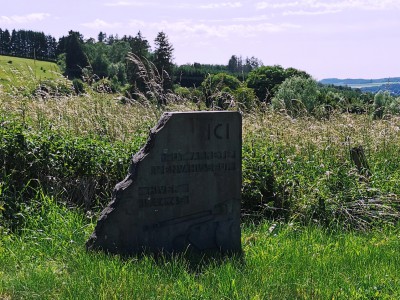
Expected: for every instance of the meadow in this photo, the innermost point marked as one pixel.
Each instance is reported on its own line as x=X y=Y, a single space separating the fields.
x=314 y=226
x=21 y=73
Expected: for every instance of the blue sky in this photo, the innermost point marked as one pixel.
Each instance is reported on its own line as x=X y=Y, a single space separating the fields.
x=328 y=38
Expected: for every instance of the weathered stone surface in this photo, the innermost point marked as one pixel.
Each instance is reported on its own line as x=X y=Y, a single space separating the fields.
x=182 y=191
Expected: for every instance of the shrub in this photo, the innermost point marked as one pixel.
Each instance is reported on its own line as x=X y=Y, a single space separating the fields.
x=266 y=80
x=297 y=95
x=245 y=98
x=77 y=169
x=79 y=86
x=385 y=103
x=54 y=88
x=217 y=89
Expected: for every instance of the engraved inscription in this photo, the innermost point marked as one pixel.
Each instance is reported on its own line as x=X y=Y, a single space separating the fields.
x=165 y=201
x=162 y=190
x=218 y=131
x=197 y=155
x=193 y=168
x=195 y=162
x=165 y=195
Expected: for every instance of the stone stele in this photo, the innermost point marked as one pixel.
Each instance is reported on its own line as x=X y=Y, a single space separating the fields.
x=182 y=191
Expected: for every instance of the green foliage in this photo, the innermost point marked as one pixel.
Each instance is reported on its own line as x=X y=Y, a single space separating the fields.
x=385 y=103
x=214 y=82
x=345 y=99
x=54 y=88
x=266 y=80
x=237 y=65
x=259 y=186
x=297 y=96
x=75 y=58
x=245 y=98
x=119 y=52
x=83 y=170
x=218 y=89
x=192 y=75
x=79 y=86
x=288 y=171
x=152 y=84
x=28 y=44
x=163 y=59
x=118 y=71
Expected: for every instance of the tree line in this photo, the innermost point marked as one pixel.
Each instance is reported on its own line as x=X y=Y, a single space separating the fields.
x=106 y=57
x=28 y=44
x=128 y=65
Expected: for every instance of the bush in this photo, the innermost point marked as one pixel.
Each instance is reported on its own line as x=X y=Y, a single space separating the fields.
x=245 y=98
x=266 y=80
x=258 y=187
x=217 y=89
x=77 y=169
x=385 y=103
x=54 y=88
x=297 y=96
x=79 y=86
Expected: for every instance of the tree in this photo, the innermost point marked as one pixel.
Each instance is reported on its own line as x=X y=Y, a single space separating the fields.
x=97 y=54
x=163 y=56
x=75 y=58
x=266 y=80
x=119 y=51
x=102 y=37
x=140 y=47
x=5 y=43
x=251 y=64
x=235 y=64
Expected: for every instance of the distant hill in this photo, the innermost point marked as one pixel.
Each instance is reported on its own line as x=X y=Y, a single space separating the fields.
x=368 y=85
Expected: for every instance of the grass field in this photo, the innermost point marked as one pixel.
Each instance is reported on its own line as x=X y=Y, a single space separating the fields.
x=24 y=74
x=281 y=261
x=38 y=69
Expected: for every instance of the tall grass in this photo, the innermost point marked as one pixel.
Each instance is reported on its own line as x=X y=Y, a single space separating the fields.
x=313 y=177
x=292 y=168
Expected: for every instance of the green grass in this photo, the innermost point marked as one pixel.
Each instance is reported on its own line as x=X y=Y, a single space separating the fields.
x=47 y=260
x=22 y=76
x=38 y=69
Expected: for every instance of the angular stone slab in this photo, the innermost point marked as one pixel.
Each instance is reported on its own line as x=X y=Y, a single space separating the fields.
x=182 y=191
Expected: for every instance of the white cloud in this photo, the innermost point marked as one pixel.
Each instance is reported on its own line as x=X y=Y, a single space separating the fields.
x=272 y=4
x=101 y=24
x=34 y=17
x=331 y=6
x=221 y=5
x=190 y=28
x=128 y=3
x=309 y=13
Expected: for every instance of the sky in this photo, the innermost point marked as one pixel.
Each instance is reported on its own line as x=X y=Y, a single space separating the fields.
x=327 y=38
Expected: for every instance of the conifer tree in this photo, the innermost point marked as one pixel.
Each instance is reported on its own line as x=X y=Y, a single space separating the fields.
x=163 y=59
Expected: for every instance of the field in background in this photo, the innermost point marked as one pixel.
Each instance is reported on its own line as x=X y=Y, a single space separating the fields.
x=372 y=85
x=39 y=69
x=16 y=72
